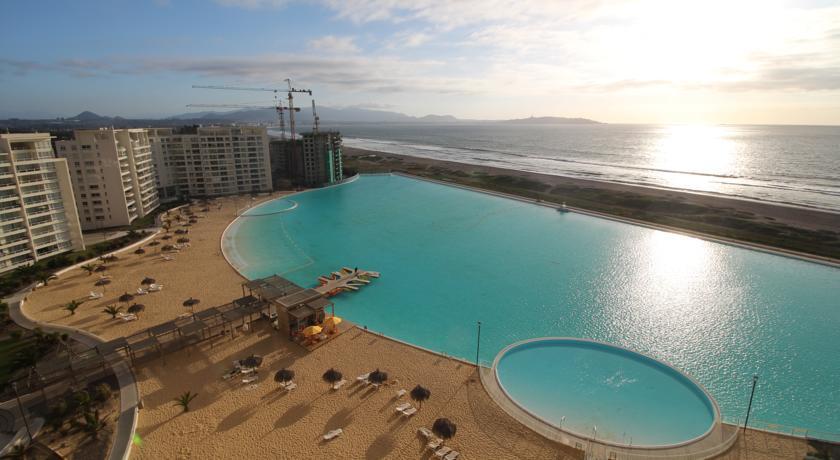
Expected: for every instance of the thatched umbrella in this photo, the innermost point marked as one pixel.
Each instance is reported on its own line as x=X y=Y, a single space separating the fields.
x=284 y=376
x=420 y=394
x=147 y=281
x=154 y=243
x=444 y=428
x=167 y=247
x=180 y=231
x=331 y=376
x=183 y=240
x=166 y=237
x=126 y=298
x=136 y=308
x=377 y=377
x=140 y=251
x=252 y=361
x=191 y=302
x=102 y=282
x=100 y=268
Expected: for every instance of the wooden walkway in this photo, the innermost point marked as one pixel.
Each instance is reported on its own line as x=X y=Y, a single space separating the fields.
x=344 y=280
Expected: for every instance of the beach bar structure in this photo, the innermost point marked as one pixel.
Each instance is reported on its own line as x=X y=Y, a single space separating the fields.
x=291 y=306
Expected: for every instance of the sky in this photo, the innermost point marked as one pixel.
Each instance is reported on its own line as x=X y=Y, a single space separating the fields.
x=622 y=61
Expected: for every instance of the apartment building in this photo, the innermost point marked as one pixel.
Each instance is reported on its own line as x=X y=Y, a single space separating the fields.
x=211 y=161
x=38 y=216
x=113 y=175
x=314 y=161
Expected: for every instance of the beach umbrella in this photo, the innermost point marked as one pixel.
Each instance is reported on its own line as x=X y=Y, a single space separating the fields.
x=444 y=428
x=377 y=377
x=191 y=302
x=102 y=282
x=332 y=322
x=148 y=280
x=154 y=243
x=331 y=376
x=252 y=361
x=126 y=298
x=136 y=308
x=183 y=240
x=100 y=268
x=312 y=330
x=420 y=394
x=166 y=237
x=167 y=247
x=284 y=375
x=140 y=251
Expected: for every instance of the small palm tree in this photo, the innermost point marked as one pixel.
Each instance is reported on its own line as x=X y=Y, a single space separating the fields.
x=93 y=424
x=72 y=306
x=45 y=277
x=185 y=399
x=89 y=268
x=112 y=310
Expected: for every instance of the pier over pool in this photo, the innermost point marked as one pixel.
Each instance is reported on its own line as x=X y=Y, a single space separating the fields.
x=450 y=257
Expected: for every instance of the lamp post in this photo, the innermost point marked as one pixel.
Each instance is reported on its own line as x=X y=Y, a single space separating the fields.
x=749 y=406
x=477 y=344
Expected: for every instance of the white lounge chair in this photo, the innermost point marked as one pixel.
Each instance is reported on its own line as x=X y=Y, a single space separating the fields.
x=427 y=433
x=168 y=258
x=290 y=386
x=339 y=384
x=95 y=295
x=363 y=377
x=333 y=434
x=251 y=378
x=127 y=316
x=434 y=443
x=402 y=407
x=442 y=452
x=155 y=287
x=452 y=455
x=401 y=393
x=141 y=291
x=410 y=411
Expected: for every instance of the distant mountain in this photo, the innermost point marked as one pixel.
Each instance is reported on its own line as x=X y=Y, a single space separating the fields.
x=553 y=120
x=88 y=116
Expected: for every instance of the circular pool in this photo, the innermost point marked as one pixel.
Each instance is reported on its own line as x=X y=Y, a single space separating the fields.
x=595 y=390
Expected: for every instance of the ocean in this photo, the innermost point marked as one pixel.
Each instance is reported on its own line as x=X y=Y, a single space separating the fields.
x=794 y=165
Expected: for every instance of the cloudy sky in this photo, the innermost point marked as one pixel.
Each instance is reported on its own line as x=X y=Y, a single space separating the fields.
x=633 y=61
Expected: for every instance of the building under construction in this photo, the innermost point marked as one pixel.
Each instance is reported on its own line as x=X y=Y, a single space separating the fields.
x=314 y=161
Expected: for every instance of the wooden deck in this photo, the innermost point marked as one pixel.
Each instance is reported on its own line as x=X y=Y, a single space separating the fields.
x=344 y=280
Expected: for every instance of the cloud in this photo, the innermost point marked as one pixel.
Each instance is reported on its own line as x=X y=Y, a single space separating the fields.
x=333 y=44
x=253 y=4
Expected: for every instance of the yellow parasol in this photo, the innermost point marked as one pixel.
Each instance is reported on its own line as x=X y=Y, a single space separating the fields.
x=332 y=321
x=312 y=330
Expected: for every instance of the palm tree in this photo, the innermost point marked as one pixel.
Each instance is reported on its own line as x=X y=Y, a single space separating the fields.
x=72 y=306
x=45 y=277
x=112 y=310
x=185 y=399
x=331 y=376
x=89 y=268
x=420 y=394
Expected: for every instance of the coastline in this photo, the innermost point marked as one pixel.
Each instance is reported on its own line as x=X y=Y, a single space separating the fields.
x=799 y=231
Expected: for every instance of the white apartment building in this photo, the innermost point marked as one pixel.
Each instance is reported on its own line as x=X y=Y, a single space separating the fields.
x=113 y=175
x=211 y=161
x=38 y=216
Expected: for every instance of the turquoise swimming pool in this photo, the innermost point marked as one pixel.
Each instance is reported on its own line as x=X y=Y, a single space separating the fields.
x=608 y=393
x=450 y=257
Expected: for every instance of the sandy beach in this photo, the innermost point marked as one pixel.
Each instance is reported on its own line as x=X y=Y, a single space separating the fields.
x=230 y=419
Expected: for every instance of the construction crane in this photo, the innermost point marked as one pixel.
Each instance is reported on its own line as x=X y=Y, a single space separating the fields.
x=290 y=96
x=315 y=117
x=278 y=103
x=279 y=108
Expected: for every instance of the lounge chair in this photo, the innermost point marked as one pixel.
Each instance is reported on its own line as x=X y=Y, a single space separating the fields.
x=452 y=455
x=168 y=258
x=427 y=433
x=155 y=287
x=141 y=291
x=442 y=452
x=339 y=384
x=363 y=377
x=251 y=378
x=246 y=370
x=127 y=316
x=402 y=407
x=333 y=434
x=290 y=386
x=401 y=393
x=95 y=295
x=410 y=411
x=434 y=443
